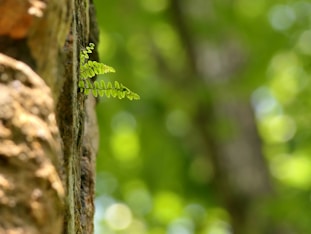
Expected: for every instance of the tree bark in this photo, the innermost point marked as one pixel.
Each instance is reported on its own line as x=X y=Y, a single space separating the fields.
x=48 y=131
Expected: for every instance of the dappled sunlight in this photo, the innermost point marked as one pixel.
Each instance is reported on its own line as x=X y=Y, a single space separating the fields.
x=118 y=216
x=250 y=9
x=282 y=17
x=125 y=145
x=277 y=129
x=293 y=170
x=219 y=228
x=167 y=206
x=107 y=183
x=217 y=222
x=166 y=40
x=287 y=77
x=195 y=212
x=264 y=103
x=138 y=197
x=124 y=141
x=114 y=217
x=303 y=43
x=166 y=163
x=123 y=120
x=154 y=6
x=107 y=45
x=140 y=200
x=136 y=227
x=181 y=226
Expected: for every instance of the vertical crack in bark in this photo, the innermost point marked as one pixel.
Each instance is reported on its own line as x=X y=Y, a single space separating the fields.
x=78 y=125
x=29 y=140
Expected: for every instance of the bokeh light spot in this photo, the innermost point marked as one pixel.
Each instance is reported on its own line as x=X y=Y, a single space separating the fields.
x=304 y=44
x=139 y=200
x=282 y=17
x=287 y=76
x=101 y=203
x=136 y=227
x=124 y=141
x=123 y=120
x=118 y=216
x=219 y=227
x=293 y=170
x=125 y=145
x=154 y=5
x=181 y=226
x=106 y=183
x=264 y=102
x=107 y=45
x=278 y=129
x=168 y=43
x=250 y=9
x=167 y=206
x=196 y=212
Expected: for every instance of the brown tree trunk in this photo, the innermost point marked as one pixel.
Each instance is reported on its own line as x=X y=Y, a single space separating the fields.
x=48 y=138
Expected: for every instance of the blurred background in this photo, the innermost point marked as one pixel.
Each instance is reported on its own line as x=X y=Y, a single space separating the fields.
x=220 y=141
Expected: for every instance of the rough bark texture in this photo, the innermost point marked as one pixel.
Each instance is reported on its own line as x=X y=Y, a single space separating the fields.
x=48 y=139
x=31 y=193
x=78 y=128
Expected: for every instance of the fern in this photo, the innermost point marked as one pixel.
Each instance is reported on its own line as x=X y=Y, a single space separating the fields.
x=92 y=68
x=84 y=53
x=88 y=69
x=100 y=88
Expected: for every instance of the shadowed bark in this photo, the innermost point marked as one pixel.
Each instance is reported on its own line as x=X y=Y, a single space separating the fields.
x=48 y=139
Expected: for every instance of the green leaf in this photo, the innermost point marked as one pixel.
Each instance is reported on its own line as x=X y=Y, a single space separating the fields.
x=89 y=69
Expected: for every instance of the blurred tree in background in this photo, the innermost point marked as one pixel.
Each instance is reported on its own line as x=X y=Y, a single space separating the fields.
x=219 y=142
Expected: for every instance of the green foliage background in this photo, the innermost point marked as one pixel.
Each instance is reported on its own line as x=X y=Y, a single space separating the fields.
x=151 y=174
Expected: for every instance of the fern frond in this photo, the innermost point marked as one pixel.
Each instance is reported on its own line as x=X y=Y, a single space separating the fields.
x=89 y=69
x=100 y=88
x=92 y=68
x=84 y=53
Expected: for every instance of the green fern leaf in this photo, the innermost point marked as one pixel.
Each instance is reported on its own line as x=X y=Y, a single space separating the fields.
x=84 y=53
x=87 y=91
x=109 y=90
x=89 y=69
x=92 y=68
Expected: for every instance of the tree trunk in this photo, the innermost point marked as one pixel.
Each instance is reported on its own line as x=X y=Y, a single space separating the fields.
x=48 y=131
